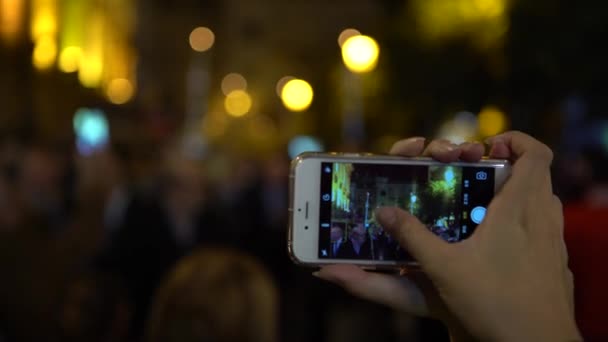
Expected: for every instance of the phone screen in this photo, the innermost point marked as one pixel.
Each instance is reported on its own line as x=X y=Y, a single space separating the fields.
x=450 y=200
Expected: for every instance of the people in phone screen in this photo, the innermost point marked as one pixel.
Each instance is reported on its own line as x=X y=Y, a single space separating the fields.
x=357 y=246
x=337 y=239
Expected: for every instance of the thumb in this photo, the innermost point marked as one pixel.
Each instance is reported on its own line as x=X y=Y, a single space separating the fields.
x=412 y=235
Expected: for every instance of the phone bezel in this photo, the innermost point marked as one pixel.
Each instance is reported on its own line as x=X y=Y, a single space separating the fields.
x=304 y=190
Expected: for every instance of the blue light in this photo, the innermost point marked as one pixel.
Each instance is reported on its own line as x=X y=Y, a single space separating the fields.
x=449 y=175
x=304 y=143
x=92 y=130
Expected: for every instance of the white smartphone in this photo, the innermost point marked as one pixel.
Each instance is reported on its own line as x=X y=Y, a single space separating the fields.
x=333 y=197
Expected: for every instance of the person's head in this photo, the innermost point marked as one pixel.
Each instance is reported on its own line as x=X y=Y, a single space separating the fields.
x=358 y=233
x=215 y=295
x=336 y=233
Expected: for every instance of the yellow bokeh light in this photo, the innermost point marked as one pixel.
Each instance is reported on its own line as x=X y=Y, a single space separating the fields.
x=297 y=95
x=233 y=81
x=120 y=91
x=90 y=72
x=490 y=8
x=44 y=18
x=92 y=66
x=44 y=24
x=360 y=53
x=69 y=59
x=44 y=53
x=237 y=103
x=201 y=39
x=483 y=21
x=347 y=33
x=491 y=121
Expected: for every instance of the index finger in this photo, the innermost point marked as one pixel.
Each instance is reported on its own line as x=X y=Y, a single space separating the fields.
x=521 y=144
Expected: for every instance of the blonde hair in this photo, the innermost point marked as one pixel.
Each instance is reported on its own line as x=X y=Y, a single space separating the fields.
x=215 y=295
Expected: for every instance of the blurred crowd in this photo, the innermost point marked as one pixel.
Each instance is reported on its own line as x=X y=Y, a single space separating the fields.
x=89 y=248
x=87 y=243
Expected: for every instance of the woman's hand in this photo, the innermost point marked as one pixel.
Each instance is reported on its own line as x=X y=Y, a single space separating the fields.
x=509 y=280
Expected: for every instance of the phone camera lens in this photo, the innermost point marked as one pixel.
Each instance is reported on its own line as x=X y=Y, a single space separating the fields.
x=305 y=227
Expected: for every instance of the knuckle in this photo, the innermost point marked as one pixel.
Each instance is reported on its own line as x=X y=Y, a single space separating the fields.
x=539 y=149
x=540 y=154
x=557 y=203
x=546 y=153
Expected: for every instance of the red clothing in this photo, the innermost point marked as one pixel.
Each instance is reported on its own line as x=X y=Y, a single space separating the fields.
x=586 y=235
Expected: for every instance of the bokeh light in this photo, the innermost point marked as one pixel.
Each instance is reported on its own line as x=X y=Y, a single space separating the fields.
x=489 y=8
x=90 y=72
x=91 y=68
x=491 y=121
x=201 y=39
x=233 y=81
x=465 y=124
x=69 y=59
x=120 y=91
x=297 y=95
x=74 y=20
x=237 y=103
x=43 y=19
x=463 y=127
x=304 y=143
x=44 y=53
x=92 y=130
x=11 y=16
x=483 y=21
x=360 y=53
x=347 y=33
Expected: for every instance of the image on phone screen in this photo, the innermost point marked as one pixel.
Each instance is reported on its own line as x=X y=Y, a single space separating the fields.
x=450 y=200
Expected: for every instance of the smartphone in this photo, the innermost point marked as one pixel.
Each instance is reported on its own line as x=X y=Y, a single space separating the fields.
x=333 y=197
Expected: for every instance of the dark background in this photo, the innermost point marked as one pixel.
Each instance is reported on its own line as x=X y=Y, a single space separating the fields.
x=167 y=184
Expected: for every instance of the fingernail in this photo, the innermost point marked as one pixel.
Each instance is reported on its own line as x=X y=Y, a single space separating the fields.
x=316 y=274
x=450 y=147
x=387 y=216
x=416 y=139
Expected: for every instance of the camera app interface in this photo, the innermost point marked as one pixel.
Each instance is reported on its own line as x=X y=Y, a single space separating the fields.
x=450 y=200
